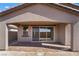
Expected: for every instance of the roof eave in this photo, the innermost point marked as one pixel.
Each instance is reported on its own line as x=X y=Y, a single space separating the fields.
x=49 y=4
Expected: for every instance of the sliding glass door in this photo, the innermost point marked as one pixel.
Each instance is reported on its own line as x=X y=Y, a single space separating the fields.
x=43 y=33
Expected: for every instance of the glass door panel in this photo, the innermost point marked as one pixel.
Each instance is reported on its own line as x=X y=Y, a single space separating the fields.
x=50 y=33
x=35 y=34
x=42 y=31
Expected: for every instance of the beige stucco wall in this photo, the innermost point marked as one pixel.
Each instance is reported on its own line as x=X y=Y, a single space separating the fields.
x=63 y=34
x=75 y=41
x=68 y=33
x=3 y=36
x=38 y=13
x=29 y=38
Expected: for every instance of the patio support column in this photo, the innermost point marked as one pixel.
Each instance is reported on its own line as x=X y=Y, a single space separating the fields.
x=68 y=34
x=3 y=36
x=75 y=37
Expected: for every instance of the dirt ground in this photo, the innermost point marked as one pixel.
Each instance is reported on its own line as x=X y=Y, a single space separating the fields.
x=37 y=51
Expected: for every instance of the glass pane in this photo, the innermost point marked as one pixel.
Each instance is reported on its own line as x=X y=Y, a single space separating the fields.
x=42 y=34
x=42 y=31
x=49 y=32
x=35 y=33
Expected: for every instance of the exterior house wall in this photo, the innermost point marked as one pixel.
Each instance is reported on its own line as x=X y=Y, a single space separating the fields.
x=61 y=33
x=20 y=34
x=39 y=13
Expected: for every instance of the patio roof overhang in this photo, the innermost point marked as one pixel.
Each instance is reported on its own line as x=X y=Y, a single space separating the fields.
x=36 y=23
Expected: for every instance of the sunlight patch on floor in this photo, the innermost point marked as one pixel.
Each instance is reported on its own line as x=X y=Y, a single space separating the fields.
x=55 y=45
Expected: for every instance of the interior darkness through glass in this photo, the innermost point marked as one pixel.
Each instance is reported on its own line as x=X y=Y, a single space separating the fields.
x=42 y=33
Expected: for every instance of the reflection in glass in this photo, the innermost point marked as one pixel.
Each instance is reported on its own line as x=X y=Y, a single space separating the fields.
x=35 y=33
x=43 y=33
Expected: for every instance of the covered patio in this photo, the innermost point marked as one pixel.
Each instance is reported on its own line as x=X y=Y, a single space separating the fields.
x=56 y=38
